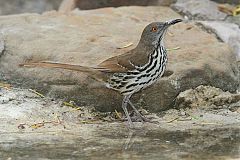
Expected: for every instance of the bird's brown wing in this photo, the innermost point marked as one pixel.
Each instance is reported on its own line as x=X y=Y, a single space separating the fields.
x=125 y=62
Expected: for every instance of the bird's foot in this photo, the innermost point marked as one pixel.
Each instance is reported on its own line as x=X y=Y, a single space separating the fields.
x=136 y=117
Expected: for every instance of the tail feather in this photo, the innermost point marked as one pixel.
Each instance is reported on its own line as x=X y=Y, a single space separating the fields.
x=96 y=73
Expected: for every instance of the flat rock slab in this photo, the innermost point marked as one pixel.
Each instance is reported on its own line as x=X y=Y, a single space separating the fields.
x=90 y=37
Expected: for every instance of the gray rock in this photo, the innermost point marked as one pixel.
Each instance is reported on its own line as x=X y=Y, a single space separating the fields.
x=93 y=4
x=90 y=37
x=4 y=100
x=234 y=42
x=40 y=6
x=234 y=19
x=69 y=5
x=227 y=1
x=199 y=10
x=206 y=97
x=1 y=45
x=29 y=6
x=227 y=32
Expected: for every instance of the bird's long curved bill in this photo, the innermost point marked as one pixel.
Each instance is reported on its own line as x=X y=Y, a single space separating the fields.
x=172 y=22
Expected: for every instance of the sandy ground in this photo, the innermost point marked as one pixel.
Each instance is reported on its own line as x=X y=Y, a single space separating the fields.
x=34 y=125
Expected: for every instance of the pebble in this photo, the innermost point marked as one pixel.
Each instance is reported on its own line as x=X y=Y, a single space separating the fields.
x=4 y=100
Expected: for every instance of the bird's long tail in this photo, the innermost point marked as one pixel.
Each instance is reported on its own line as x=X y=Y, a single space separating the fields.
x=96 y=73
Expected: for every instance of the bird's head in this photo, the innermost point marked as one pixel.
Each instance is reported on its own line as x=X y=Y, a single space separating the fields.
x=153 y=33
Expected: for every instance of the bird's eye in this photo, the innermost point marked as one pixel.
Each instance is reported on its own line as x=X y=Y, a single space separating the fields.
x=154 y=29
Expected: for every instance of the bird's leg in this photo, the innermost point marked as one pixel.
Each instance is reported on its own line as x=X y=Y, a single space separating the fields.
x=124 y=107
x=139 y=115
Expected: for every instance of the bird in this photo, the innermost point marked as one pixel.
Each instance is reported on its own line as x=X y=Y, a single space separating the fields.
x=129 y=72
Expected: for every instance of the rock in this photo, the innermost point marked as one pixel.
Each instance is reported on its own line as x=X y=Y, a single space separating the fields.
x=85 y=4
x=234 y=42
x=4 y=100
x=227 y=32
x=234 y=19
x=29 y=6
x=90 y=37
x=1 y=45
x=69 y=5
x=199 y=10
x=227 y=1
x=206 y=97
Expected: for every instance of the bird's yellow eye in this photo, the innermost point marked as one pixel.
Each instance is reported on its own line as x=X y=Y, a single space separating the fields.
x=154 y=29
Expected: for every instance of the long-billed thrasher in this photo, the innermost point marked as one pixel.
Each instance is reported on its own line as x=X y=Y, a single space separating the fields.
x=132 y=71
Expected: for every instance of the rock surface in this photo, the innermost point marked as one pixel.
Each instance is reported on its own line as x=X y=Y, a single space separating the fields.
x=1 y=45
x=234 y=19
x=227 y=1
x=227 y=32
x=93 y=4
x=207 y=97
x=199 y=10
x=90 y=37
x=33 y=127
x=68 y=5
x=27 y=6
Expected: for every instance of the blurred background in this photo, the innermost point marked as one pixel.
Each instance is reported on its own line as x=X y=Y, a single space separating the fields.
x=39 y=6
